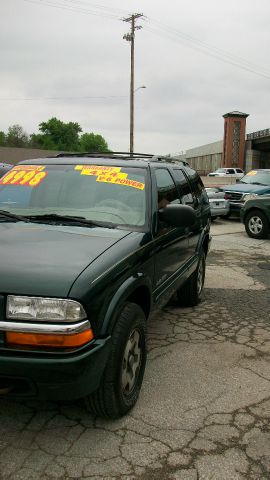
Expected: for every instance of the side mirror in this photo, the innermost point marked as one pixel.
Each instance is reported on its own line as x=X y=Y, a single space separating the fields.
x=177 y=215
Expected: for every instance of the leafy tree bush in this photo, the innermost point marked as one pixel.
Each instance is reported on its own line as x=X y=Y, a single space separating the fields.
x=2 y=139
x=16 y=137
x=90 y=142
x=55 y=135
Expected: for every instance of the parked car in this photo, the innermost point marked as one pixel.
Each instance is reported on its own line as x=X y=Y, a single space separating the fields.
x=4 y=168
x=87 y=255
x=219 y=206
x=227 y=172
x=255 y=214
x=255 y=182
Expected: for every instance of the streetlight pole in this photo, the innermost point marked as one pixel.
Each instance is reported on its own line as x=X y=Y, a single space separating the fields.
x=130 y=37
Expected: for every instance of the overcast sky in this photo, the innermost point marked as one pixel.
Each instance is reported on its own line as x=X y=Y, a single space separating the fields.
x=198 y=60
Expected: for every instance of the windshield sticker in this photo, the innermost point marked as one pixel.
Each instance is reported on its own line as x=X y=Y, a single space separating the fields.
x=119 y=179
x=109 y=175
x=37 y=168
x=252 y=172
x=27 y=177
x=96 y=169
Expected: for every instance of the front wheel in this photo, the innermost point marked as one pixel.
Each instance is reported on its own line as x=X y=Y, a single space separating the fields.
x=123 y=375
x=256 y=224
x=190 y=293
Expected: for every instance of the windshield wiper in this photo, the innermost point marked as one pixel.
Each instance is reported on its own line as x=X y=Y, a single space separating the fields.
x=13 y=216
x=258 y=183
x=70 y=220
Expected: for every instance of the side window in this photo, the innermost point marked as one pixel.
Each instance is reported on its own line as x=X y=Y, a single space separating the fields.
x=166 y=188
x=238 y=170
x=197 y=186
x=230 y=170
x=184 y=187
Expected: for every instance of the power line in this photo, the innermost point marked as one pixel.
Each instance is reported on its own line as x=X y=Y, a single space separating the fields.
x=205 y=48
x=114 y=10
x=61 y=98
x=84 y=11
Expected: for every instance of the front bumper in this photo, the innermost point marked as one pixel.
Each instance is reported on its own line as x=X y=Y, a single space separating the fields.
x=62 y=376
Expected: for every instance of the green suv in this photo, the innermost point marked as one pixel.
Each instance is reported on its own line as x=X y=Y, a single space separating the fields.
x=91 y=245
x=255 y=214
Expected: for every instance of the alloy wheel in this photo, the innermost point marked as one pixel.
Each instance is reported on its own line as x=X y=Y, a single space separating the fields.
x=255 y=225
x=131 y=362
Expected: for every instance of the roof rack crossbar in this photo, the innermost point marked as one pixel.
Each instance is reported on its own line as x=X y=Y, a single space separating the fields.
x=103 y=154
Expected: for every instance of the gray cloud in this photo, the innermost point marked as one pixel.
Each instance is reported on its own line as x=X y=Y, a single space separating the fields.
x=48 y=52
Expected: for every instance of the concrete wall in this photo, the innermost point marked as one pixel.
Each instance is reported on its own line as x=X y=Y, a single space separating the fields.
x=15 y=155
x=205 y=158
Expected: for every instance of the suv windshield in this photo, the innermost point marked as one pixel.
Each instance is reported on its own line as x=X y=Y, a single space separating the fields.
x=94 y=192
x=221 y=170
x=256 y=177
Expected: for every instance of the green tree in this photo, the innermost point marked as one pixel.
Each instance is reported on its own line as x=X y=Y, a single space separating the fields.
x=16 y=137
x=2 y=139
x=91 y=142
x=57 y=135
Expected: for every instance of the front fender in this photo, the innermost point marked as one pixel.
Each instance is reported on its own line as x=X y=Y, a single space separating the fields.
x=127 y=288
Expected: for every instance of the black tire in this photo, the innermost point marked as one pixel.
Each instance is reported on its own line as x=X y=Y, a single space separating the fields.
x=121 y=383
x=190 y=293
x=256 y=224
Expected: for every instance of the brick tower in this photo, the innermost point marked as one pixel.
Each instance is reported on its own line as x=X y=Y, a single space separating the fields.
x=234 y=139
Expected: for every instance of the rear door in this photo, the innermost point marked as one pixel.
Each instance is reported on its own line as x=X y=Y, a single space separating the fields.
x=192 y=193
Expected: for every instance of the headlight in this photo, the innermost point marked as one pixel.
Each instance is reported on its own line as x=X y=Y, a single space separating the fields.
x=249 y=196
x=50 y=309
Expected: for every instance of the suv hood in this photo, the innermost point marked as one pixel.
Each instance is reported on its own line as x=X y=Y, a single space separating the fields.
x=246 y=188
x=45 y=260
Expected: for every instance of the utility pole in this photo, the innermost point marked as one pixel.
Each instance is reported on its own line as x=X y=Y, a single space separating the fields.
x=130 y=37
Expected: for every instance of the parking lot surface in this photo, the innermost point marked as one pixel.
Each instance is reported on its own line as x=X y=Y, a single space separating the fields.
x=204 y=409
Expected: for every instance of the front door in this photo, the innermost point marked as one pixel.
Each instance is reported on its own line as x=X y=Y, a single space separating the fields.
x=170 y=243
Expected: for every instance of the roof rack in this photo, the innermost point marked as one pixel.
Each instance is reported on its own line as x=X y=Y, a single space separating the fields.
x=126 y=155
x=122 y=155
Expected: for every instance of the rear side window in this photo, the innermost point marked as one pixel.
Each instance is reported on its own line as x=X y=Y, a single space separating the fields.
x=195 y=180
x=187 y=197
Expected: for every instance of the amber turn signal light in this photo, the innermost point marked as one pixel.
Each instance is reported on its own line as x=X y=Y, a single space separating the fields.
x=49 y=340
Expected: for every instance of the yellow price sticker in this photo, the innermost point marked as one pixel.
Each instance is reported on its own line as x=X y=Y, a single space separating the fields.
x=37 y=168
x=29 y=178
x=96 y=169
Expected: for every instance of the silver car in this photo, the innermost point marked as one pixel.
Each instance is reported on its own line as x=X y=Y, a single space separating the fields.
x=219 y=206
x=227 y=172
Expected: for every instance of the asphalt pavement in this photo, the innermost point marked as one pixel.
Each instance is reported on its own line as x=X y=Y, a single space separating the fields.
x=204 y=409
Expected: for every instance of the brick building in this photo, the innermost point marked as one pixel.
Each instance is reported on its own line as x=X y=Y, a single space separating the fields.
x=235 y=150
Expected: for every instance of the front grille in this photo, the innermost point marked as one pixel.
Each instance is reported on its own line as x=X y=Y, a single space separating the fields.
x=233 y=196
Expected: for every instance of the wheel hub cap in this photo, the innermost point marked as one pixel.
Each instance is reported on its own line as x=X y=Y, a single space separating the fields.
x=255 y=225
x=131 y=362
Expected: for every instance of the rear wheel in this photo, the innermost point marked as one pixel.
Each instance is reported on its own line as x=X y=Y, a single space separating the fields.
x=122 y=379
x=256 y=224
x=190 y=294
